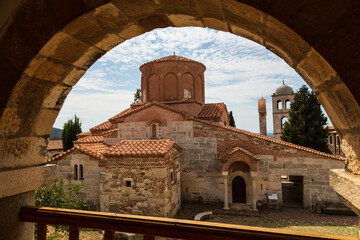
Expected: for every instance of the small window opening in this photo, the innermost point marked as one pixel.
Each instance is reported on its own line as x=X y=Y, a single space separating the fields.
x=287 y=104
x=172 y=176
x=156 y=130
x=75 y=171
x=187 y=93
x=128 y=183
x=81 y=172
x=331 y=140
x=283 y=121
x=279 y=104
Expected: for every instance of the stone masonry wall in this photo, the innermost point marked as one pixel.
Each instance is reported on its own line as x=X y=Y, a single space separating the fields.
x=315 y=172
x=92 y=176
x=199 y=162
x=151 y=191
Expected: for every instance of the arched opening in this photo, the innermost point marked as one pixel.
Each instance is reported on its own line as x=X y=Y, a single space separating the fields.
x=279 y=104
x=156 y=129
x=72 y=50
x=76 y=172
x=238 y=190
x=283 y=121
x=287 y=104
x=81 y=172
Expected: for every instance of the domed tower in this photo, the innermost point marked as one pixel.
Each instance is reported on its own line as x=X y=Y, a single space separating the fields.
x=281 y=99
x=174 y=80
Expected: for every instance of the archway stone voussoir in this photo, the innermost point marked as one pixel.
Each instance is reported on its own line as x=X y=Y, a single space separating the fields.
x=314 y=69
x=136 y=9
x=210 y=9
x=151 y=22
x=44 y=121
x=180 y=20
x=130 y=32
x=110 y=18
x=55 y=98
x=73 y=76
x=284 y=42
x=215 y=24
x=71 y=51
x=22 y=152
x=46 y=69
x=10 y=122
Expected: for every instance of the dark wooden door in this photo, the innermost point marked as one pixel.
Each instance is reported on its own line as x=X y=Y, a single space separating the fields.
x=238 y=190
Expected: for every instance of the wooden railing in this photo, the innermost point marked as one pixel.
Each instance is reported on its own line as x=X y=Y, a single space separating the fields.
x=153 y=226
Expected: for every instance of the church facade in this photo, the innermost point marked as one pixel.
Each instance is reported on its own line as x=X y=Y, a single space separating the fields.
x=173 y=146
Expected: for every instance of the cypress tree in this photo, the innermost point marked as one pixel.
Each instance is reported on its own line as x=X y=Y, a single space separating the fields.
x=307 y=123
x=70 y=129
x=232 y=121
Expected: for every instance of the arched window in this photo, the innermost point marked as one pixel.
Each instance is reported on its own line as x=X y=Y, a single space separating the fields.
x=156 y=129
x=172 y=179
x=283 y=121
x=81 y=172
x=331 y=139
x=287 y=104
x=279 y=104
x=187 y=93
x=75 y=171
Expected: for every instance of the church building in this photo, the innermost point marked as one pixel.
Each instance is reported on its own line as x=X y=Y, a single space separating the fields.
x=174 y=146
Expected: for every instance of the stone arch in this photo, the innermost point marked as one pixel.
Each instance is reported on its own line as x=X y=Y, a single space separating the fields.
x=41 y=61
x=65 y=50
x=227 y=164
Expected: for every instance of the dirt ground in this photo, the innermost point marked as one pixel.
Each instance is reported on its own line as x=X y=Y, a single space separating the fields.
x=290 y=219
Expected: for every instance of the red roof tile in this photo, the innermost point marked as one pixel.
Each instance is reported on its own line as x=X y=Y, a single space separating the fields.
x=102 y=126
x=95 y=150
x=274 y=140
x=147 y=105
x=172 y=58
x=141 y=148
x=212 y=110
x=55 y=145
x=90 y=139
x=83 y=134
x=236 y=149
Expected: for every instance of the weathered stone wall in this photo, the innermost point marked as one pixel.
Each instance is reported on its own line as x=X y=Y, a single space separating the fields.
x=52 y=153
x=315 y=172
x=92 y=176
x=151 y=191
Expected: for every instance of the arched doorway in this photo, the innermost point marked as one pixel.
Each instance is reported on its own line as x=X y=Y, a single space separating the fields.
x=238 y=190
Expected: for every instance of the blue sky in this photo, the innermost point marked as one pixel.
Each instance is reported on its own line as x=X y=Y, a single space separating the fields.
x=239 y=72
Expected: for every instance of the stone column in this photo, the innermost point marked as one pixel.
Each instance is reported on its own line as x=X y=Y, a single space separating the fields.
x=253 y=176
x=226 y=197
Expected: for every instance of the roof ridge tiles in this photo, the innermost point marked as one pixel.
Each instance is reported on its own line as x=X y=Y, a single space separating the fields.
x=274 y=140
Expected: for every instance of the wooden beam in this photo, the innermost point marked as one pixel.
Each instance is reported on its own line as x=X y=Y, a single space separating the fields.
x=164 y=227
x=41 y=231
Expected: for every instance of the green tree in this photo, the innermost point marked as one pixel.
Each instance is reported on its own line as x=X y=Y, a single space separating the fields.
x=307 y=123
x=137 y=96
x=56 y=195
x=232 y=121
x=70 y=129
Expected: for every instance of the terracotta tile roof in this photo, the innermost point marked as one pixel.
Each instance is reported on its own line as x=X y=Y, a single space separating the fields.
x=83 y=134
x=274 y=140
x=212 y=110
x=141 y=148
x=95 y=150
x=236 y=149
x=172 y=58
x=90 y=139
x=55 y=145
x=102 y=126
x=147 y=105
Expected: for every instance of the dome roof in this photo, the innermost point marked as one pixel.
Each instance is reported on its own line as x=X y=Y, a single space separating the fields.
x=283 y=90
x=172 y=58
